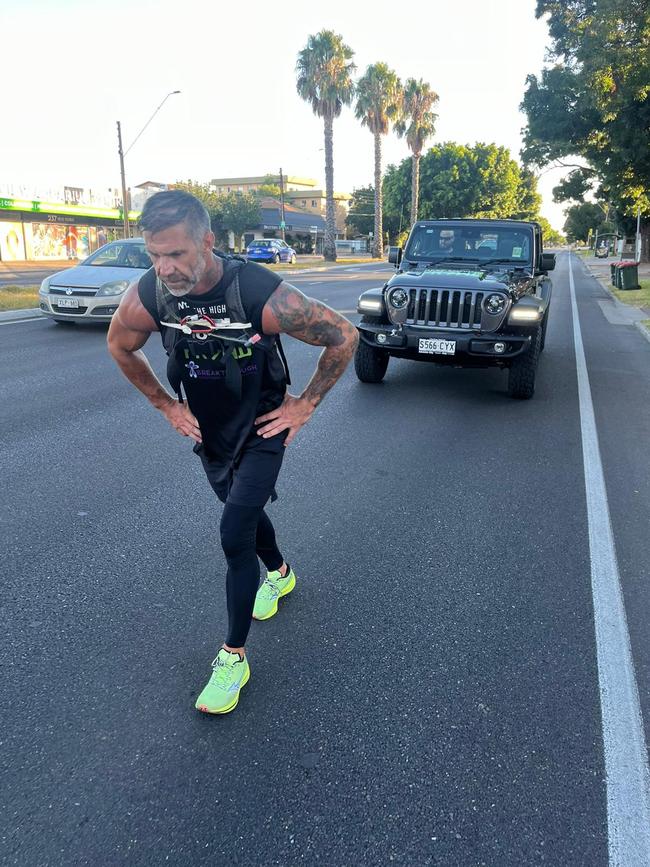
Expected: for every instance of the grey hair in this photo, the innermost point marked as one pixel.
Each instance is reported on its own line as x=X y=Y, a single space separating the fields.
x=171 y=207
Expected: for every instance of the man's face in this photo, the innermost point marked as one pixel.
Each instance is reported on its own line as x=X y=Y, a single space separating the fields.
x=446 y=239
x=177 y=258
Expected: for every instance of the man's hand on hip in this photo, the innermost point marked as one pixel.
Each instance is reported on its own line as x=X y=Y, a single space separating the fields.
x=182 y=420
x=291 y=415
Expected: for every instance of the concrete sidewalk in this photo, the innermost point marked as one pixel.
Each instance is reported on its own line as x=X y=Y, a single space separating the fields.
x=621 y=312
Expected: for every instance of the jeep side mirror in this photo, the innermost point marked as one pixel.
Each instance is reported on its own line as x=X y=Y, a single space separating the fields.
x=548 y=262
x=394 y=255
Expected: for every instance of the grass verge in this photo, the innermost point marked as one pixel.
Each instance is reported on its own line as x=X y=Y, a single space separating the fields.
x=18 y=297
x=635 y=297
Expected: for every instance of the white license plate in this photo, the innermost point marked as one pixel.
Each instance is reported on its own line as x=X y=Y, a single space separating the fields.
x=67 y=302
x=435 y=346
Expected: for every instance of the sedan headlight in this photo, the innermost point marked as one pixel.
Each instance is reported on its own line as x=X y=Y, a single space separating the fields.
x=45 y=287
x=495 y=304
x=115 y=287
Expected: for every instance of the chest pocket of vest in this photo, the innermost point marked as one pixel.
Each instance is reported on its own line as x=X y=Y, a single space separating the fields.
x=186 y=355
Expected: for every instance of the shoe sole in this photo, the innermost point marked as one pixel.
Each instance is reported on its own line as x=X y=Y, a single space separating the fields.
x=230 y=707
x=284 y=592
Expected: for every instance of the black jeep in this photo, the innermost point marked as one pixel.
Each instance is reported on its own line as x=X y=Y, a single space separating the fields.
x=470 y=293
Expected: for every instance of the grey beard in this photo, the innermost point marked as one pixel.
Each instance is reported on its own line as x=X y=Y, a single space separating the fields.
x=177 y=293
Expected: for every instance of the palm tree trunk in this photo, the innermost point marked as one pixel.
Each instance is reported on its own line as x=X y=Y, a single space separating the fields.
x=378 y=243
x=329 y=248
x=415 y=186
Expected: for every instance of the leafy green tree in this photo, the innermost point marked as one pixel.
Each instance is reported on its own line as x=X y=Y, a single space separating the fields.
x=581 y=220
x=379 y=98
x=417 y=123
x=204 y=193
x=592 y=106
x=324 y=79
x=463 y=181
x=529 y=199
x=361 y=213
x=552 y=238
x=240 y=211
x=268 y=187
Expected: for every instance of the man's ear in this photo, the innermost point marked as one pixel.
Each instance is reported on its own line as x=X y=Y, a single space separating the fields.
x=208 y=242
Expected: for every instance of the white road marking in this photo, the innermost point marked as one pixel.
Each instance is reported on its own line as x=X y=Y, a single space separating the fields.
x=626 y=755
x=20 y=321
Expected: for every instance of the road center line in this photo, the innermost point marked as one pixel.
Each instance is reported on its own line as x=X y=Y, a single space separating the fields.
x=626 y=755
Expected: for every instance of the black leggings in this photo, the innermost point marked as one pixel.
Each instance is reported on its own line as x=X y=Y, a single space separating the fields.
x=246 y=534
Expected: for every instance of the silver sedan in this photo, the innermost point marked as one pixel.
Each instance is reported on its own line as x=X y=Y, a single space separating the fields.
x=92 y=291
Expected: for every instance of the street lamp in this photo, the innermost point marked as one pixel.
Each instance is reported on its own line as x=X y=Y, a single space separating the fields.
x=122 y=154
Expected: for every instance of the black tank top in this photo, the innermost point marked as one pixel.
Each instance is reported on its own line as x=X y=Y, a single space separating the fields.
x=226 y=421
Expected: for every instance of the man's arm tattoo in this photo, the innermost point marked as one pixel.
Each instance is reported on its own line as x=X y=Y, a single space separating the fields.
x=307 y=319
x=316 y=323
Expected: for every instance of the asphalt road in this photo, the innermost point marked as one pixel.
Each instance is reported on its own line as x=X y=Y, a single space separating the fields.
x=429 y=693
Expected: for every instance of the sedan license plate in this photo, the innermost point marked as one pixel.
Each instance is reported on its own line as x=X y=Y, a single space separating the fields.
x=435 y=346
x=67 y=302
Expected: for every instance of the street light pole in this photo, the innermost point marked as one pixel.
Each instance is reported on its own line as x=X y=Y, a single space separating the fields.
x=122 y=153
x=282 y=221
x=125 y=204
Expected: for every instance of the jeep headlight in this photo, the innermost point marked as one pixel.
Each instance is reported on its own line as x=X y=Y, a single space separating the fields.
x=495 y=304
x=522 y=314
x=397 y=303
x=370 y=305
x=115 y=287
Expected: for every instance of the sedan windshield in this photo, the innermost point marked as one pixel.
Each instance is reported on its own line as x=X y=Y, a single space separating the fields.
x=487 y=244
x=120 y=255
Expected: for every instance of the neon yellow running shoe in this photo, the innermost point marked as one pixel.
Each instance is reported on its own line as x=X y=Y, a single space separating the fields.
x=229 y=673
x=273 y=588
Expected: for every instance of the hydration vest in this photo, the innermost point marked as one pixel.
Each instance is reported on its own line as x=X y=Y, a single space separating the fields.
x=223 y=347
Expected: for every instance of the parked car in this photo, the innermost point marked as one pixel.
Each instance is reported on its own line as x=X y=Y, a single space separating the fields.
x=270 y=250
x=467 y=293
x=93 y=290
x=602 y=252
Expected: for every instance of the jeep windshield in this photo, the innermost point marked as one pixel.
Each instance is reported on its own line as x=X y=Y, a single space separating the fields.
x=478 y=245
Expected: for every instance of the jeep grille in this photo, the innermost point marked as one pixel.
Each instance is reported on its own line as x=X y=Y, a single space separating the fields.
x=445 y=308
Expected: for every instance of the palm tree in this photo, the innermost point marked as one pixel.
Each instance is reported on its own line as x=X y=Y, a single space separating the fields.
x=379 y=96
x=324 y=71
x=417 y=123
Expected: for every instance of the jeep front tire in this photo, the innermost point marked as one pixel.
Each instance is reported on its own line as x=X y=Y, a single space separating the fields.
x=369 y=363
x=521 y=375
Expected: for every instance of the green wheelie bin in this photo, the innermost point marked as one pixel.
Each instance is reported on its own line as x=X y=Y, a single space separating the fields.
x=628 y=275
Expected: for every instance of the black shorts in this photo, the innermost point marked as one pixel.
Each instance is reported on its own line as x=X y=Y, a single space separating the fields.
x=249 y=479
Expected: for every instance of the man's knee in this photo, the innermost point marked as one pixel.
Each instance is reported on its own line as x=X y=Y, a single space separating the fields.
x=238 y=530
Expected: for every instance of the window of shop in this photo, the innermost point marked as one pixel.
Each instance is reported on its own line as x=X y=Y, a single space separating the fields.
x=12 y=246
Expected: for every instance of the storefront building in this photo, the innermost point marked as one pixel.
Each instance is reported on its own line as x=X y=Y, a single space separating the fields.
x=41 y=231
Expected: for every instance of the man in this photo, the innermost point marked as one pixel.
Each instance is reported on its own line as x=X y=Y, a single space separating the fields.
x=218 y=317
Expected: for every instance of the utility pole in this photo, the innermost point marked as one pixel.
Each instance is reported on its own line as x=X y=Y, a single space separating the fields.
x=282 y=221
x=637 y=240
x=125 y=204
x=122 y=152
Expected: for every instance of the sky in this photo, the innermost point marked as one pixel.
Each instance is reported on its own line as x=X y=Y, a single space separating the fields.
x=72 y=69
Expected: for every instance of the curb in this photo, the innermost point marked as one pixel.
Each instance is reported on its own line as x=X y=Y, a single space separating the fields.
x=17 y=315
